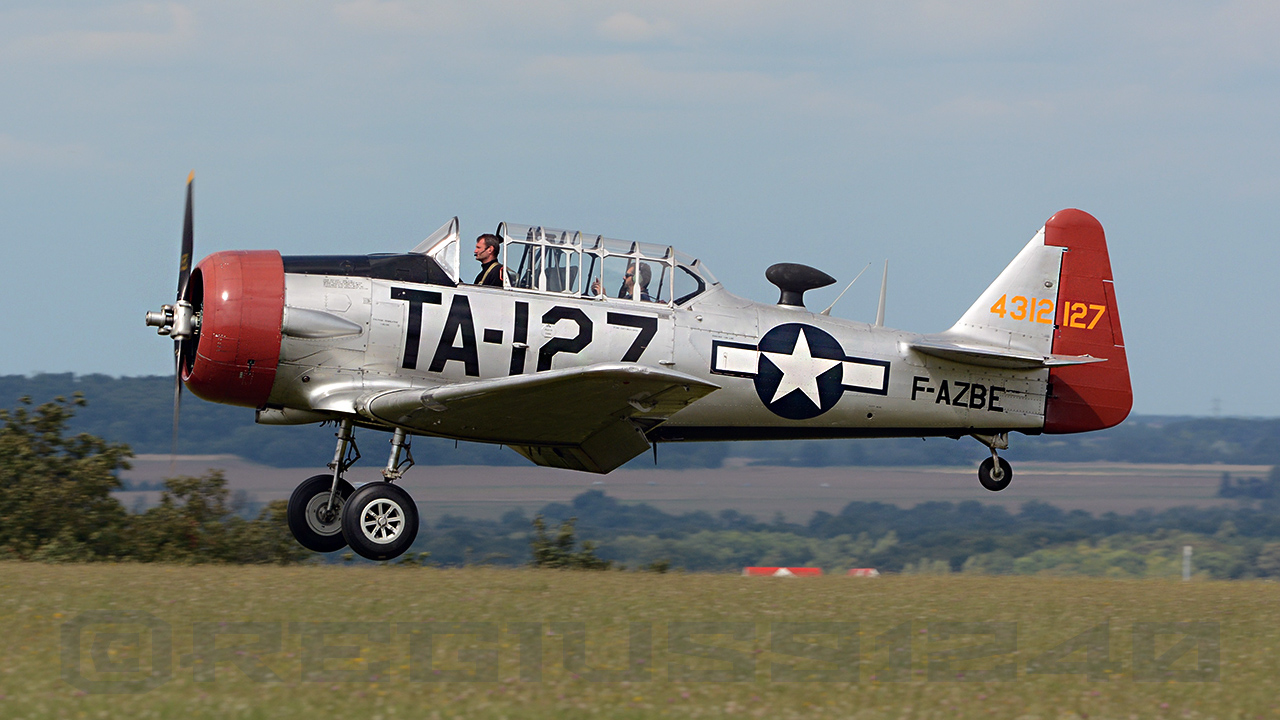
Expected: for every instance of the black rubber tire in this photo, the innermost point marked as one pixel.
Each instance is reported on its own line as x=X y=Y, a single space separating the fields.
x=371 y=537
x=310 y=532
x=990 y=483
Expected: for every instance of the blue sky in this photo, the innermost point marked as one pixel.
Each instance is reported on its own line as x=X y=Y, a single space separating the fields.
x=937 y=135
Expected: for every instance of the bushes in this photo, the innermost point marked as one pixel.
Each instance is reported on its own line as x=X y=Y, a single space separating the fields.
x=195 y=523
x=56 y=503
x=55 y=490
x=559 y=552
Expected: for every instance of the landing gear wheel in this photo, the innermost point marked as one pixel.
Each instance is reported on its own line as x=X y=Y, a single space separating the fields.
x=313 y=525
x=380 y=521
x=992 y=478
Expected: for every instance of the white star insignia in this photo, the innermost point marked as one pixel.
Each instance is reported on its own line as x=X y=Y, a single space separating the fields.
x=800 y=370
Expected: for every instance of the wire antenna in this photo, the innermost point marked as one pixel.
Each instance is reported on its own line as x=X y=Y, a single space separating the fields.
x=884 y=286
x=845 y=290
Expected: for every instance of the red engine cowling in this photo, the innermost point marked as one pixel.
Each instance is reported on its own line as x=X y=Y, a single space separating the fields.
x=240 y=297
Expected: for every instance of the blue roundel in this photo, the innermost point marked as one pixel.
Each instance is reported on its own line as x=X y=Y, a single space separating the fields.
x=800 y=371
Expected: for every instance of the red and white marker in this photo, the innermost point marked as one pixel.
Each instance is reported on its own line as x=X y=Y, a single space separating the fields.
x=781 y=572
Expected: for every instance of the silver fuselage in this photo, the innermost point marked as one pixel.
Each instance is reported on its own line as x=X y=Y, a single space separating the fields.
x=414 y=335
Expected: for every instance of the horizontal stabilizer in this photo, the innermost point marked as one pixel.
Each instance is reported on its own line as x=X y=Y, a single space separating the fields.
x=986 y=356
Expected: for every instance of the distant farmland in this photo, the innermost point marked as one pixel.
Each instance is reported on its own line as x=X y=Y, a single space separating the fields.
x=488 y=492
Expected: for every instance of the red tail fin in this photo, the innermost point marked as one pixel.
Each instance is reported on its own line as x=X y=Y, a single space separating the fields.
x=1097 y=395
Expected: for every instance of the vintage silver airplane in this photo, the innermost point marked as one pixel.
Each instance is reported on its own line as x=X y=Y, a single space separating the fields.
x=569 y=373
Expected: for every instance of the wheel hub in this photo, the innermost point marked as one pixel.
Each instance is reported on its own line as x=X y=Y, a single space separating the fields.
x=323 y=519
x=382 y=521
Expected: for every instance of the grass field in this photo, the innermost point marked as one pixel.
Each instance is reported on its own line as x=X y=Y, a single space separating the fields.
x=642 y=646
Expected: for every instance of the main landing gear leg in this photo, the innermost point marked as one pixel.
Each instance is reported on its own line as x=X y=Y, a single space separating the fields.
x=995 y=473
x=315 y=507
x=395 y=466
x=341 y=463
x=380 y=520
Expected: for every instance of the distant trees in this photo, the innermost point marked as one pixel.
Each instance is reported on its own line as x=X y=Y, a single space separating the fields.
x=561 y=552
x=56 y=502
x=55 y=490
x=195 y=523
x=1268 y=560
x=936 y=537
x=123 y=411
x=1251 y=488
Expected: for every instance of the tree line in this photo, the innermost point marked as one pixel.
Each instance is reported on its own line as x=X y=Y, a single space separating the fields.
x=125 y=410
x=57 y=504
x=937 y=537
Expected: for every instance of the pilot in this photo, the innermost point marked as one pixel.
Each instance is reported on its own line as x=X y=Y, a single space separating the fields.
x=487 y=254
x=629 y=281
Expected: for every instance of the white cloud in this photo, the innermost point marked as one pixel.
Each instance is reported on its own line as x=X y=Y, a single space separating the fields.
x=14 y=151
x=1209 y=43
x=973 y=110
x=122 y=32
x=625 y=27
x=400 y=17
x=632 y=79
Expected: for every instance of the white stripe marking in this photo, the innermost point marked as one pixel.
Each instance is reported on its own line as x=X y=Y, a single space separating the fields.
x=737 y=360
x=863 y=375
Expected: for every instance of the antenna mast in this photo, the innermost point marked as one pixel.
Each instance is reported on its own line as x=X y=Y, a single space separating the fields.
x=884 y=286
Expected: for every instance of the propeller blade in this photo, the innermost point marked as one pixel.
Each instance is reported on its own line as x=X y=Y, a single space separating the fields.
x=177 y=402
x=188 y=241
x=184 y=274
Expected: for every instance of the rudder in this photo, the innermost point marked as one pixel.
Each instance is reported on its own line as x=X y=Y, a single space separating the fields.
x=1087 y=322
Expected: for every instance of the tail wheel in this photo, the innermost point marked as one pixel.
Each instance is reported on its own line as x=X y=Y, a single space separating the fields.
x=995 y=478
x=380 y=521
x=315 y=525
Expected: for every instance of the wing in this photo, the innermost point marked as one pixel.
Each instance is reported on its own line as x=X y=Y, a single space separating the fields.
x=590 y=418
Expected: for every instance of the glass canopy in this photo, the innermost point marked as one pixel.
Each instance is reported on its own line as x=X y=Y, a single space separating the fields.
x=570 y=262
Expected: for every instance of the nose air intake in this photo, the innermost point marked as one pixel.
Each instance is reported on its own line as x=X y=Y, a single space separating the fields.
x=240 y=295
x=793 y=280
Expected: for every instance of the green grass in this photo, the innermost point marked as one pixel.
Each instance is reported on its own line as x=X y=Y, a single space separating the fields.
x=37 y=602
